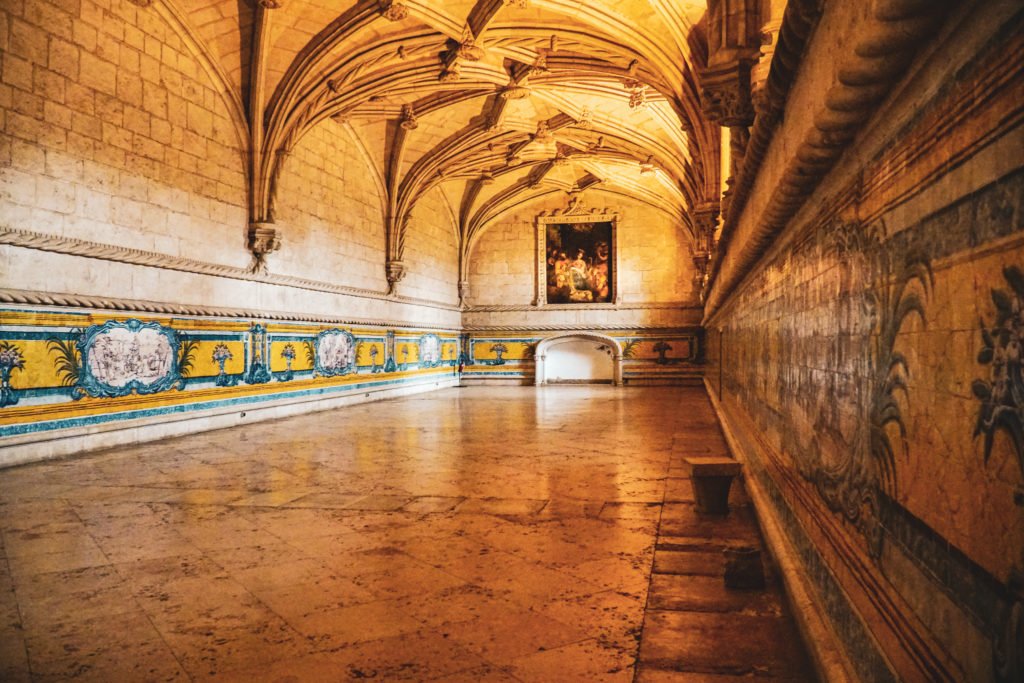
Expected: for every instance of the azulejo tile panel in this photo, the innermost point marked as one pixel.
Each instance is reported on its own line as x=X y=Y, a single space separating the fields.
x=646 y=354
x=61 y=369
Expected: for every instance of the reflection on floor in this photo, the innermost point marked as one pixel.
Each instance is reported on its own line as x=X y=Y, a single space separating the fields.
x=481 y=534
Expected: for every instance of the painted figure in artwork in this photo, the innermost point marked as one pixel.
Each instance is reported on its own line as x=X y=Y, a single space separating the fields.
x=586 y=276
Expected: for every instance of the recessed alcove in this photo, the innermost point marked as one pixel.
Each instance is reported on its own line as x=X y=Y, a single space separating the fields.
x=580 y=358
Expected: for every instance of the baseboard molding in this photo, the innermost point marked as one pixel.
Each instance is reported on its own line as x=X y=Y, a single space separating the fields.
x=826 y=650
x=49 y=445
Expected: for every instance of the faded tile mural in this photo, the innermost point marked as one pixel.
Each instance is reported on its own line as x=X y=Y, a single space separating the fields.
x=872 y=372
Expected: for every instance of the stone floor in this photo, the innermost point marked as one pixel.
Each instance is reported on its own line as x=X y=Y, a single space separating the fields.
x=476 y=534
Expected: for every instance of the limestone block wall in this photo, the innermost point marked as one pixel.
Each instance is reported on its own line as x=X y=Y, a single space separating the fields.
x=432 y=251
x=330 y=204
x=654 y=279
x=655 y=304
x=113 y=132
x=867 y=370
x=124 y=196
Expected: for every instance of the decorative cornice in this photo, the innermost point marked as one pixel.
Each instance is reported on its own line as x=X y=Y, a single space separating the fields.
x=671 y=305
x=866 y=74
x=526 y=329
x=137 y=257
x=22 y=297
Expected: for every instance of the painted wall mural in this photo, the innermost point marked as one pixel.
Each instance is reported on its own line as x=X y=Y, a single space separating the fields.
x=10 y=360
x=105 y=369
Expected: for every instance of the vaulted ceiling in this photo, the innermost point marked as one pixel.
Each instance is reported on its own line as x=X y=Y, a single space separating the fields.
x=494 y=102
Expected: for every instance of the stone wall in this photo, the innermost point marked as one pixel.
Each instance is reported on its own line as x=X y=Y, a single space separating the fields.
x=654 y=280
x=114 y=132
x=123 y=196
x=330 y=205
x=868 y=373
x=653 y=316
x=432 y=251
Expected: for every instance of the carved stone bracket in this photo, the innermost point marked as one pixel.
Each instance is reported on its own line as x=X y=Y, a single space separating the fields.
x=463 y=292
x=409 y=121
x=705 y=221
x=393 y=11
x=395 y=271
x=263 y=239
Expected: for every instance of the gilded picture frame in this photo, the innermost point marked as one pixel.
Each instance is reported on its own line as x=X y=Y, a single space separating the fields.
x=577 y=258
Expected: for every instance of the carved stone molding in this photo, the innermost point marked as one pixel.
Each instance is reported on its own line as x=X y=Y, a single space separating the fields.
x=137 y=257
x=24 y=297
x=867 y=70
x=263 y=240
x=759 y=72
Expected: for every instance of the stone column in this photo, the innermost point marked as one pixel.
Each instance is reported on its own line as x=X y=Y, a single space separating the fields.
x=734 y=42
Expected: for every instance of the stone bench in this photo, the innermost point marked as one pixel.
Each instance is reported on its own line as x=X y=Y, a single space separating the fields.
x=712 y=478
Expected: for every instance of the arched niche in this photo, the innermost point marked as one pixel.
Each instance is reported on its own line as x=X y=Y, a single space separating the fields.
x=546 y=345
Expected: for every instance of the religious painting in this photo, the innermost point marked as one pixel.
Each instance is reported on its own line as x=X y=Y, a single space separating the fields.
x=579 y=262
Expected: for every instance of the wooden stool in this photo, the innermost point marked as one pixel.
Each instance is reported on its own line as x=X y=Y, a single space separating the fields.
x=712 y=478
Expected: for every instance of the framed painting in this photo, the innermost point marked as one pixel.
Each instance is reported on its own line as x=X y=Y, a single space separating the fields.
x=577 y=259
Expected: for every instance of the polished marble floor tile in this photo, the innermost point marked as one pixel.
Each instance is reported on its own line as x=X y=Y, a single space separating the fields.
x=476 y=534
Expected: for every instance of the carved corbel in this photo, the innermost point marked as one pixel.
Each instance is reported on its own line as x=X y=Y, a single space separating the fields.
x=395 y=271
x=393 y=11
x=463 y=292
x=468 y=48
x=263 y=240
x=705 y=222
x=141 y=3
x=270 y=4
x=408 y=121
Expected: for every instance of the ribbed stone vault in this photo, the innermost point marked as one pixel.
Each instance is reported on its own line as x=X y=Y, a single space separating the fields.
x=496 y=103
